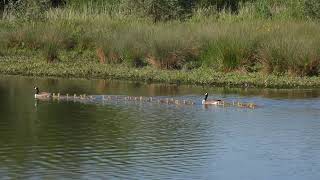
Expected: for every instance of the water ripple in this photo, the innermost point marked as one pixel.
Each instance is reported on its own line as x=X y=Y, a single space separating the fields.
x=134 y=140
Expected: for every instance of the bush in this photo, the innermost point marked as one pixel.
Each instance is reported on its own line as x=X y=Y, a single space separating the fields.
x=312 y=8
x=263 y=8
x=164 y=10
x=28 y=10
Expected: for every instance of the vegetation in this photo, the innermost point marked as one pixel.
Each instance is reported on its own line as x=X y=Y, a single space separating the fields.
x=17 y=65
x=190 y=38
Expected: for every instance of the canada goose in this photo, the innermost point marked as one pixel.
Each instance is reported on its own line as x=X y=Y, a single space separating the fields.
x=41 y=95
x=213 y=102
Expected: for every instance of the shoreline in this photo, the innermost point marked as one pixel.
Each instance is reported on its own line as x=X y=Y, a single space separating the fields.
x=200 y=76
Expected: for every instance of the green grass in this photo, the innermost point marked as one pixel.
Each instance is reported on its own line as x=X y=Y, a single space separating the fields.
x=264 y=46
x=19 y=65
x=236 y=49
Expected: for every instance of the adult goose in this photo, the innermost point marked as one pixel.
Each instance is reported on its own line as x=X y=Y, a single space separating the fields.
x=211 y=102
x=41 y=95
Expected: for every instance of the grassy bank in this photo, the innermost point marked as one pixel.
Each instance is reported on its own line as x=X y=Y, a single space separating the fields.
x=253 y=46
x=200 y=76
x=214 y=49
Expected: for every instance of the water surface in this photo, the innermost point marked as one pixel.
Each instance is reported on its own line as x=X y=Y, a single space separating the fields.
x=133 y=140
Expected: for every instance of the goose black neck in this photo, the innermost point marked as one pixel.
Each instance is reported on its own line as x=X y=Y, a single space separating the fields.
x=37 y=91
x=206 y=97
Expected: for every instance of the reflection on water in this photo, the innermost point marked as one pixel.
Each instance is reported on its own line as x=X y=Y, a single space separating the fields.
x=133 y=140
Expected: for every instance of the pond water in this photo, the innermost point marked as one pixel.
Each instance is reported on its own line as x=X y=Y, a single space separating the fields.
x=128 y=140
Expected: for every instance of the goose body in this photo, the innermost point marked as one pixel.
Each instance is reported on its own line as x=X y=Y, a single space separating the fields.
x=205 y=101
x=41 y=95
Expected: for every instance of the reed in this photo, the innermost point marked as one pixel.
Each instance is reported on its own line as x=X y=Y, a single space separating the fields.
x=229 y=43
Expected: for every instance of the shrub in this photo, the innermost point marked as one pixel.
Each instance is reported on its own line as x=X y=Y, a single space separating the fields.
x=28 y=10
x=162 y=10
x=312 y=8
x=263 y=8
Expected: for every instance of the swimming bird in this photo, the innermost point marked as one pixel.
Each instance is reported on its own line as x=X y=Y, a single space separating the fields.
x=41 y=95
x=212 y=102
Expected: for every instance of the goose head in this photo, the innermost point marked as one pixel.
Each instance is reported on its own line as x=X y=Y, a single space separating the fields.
x=37 y=90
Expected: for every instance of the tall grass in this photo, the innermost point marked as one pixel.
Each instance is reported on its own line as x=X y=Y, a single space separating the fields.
x=270 y=46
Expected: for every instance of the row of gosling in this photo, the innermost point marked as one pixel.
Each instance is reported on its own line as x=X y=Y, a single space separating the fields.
x=67 y=96
x=162 y=101
x=126 y=98
x=148 y=99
